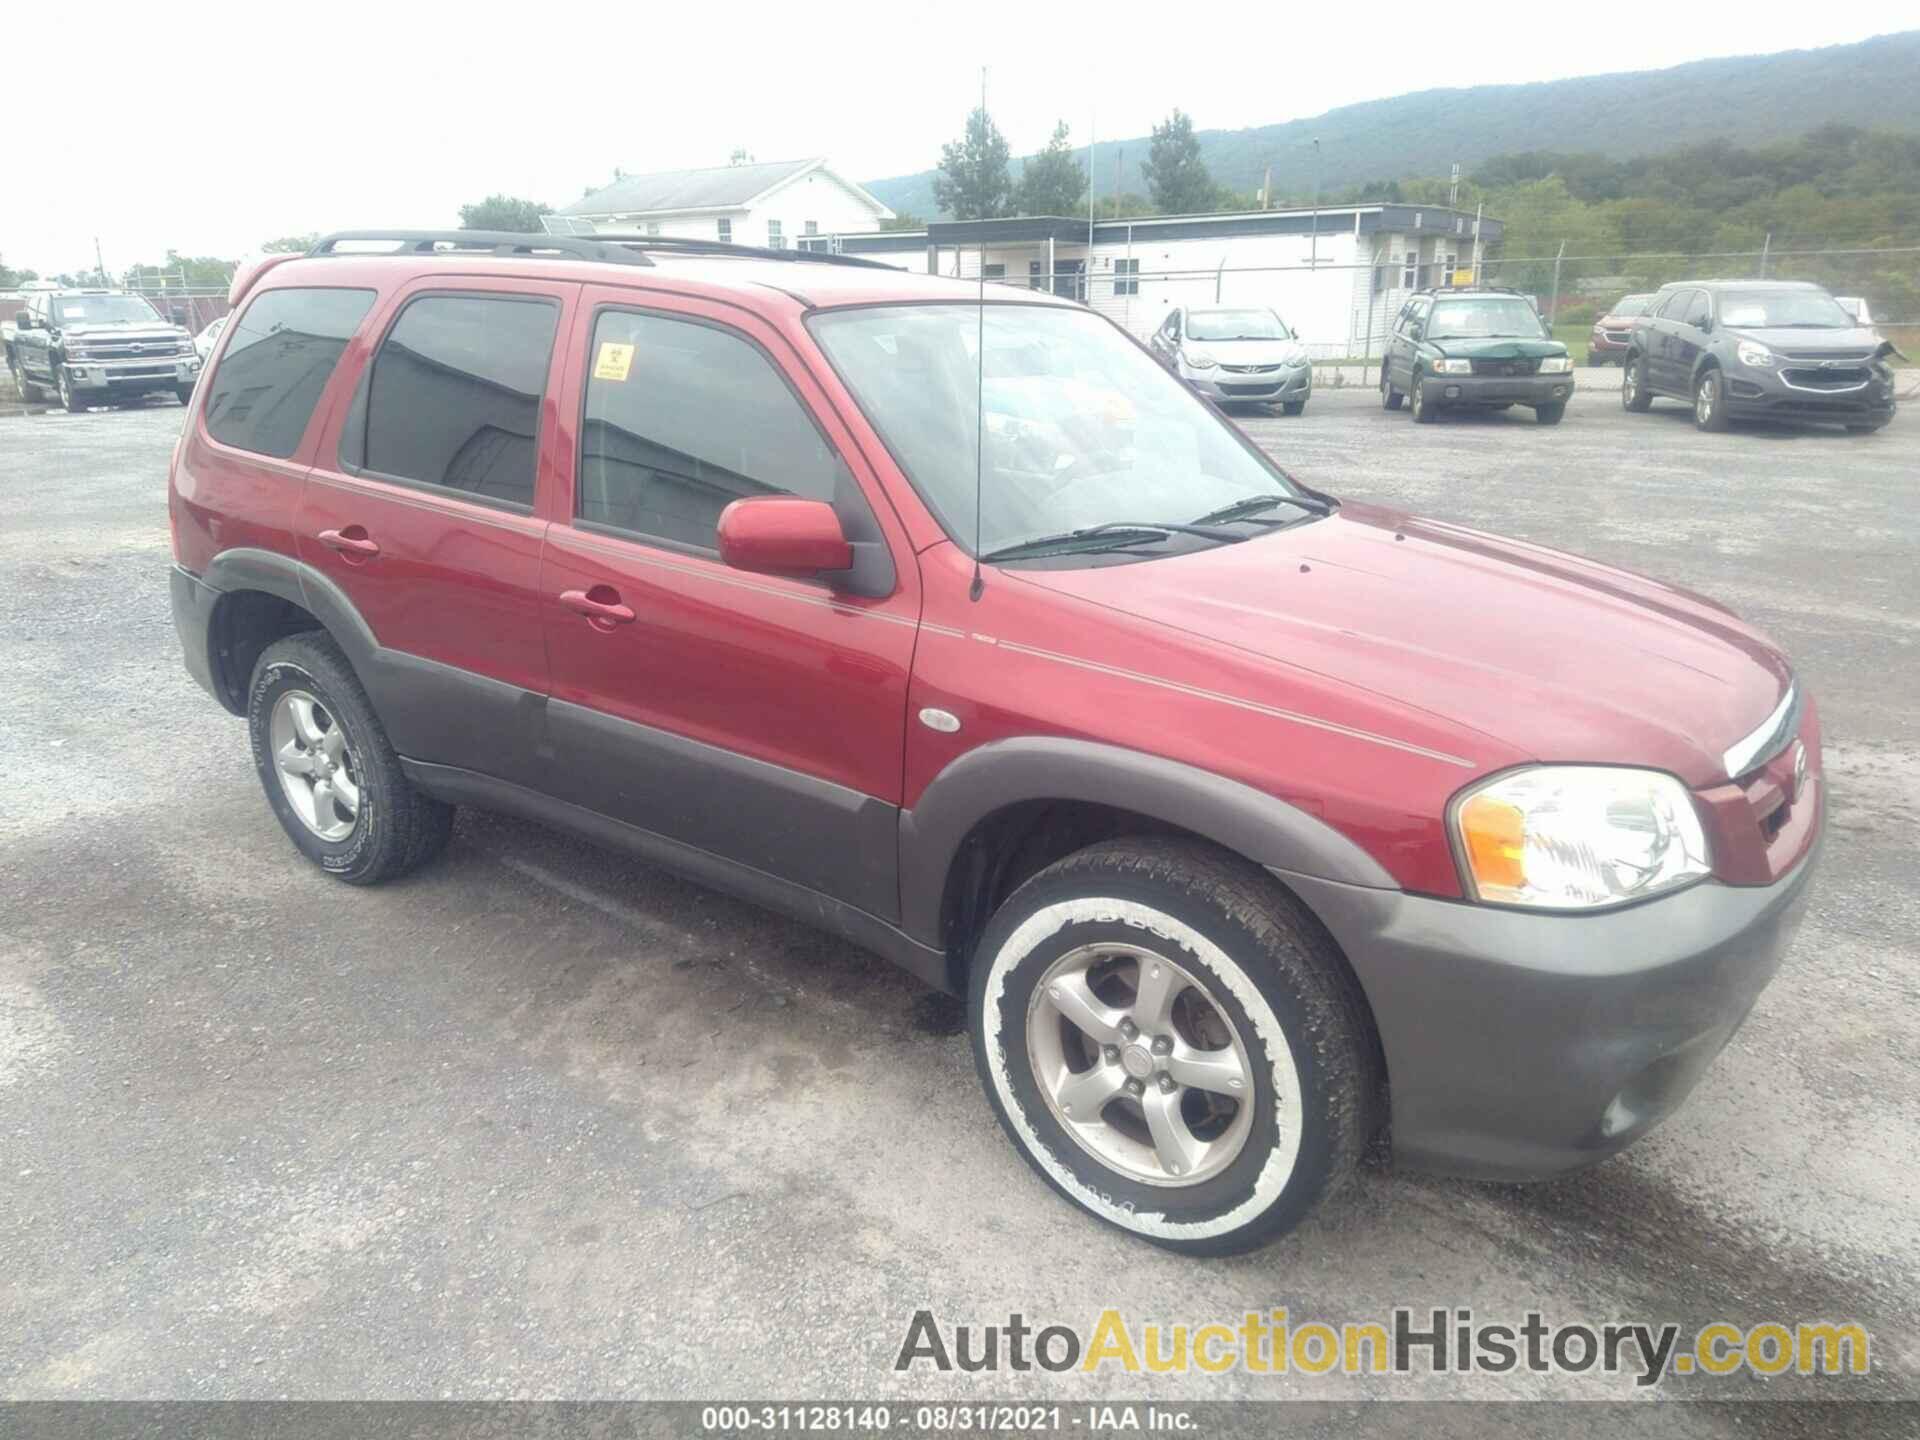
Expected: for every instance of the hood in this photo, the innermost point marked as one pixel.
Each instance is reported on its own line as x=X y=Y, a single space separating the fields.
x=1505 y=348
x=1842 y=339
x=1556 y=657
x=1248 y=352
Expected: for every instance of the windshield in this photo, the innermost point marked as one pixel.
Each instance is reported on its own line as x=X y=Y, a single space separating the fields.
x=1630 y=305
x=1235 y=325
x=1782 y=309
x=1484 y=317
x=1082 y=426
x=105 y=310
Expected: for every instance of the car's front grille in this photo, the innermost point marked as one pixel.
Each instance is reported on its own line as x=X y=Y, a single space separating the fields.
x=1261 y=388
x=1505 y=367
x=1248 y=369
x=1840 y=377
x=1615 y=337
x=130 y=349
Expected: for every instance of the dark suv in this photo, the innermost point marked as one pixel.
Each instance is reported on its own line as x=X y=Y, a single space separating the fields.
x=97 y=347
x=1249 y=821
x=1757 y=349
x=1479 y=348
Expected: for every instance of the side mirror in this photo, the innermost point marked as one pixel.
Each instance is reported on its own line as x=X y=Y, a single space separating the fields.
x=783 y=535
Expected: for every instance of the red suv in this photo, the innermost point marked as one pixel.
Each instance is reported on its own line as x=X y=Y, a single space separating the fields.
x=1250 y=822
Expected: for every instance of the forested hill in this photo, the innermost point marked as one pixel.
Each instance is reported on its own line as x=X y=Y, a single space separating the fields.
x=1749 y=100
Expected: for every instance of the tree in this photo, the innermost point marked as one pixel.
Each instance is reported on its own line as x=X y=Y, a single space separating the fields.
x=290 y=244
x=11 y=279
x=904 y=220
x=973 y=183
x=1175 y=173
x=201 y=272
x=1052 y=182
x=505 y=212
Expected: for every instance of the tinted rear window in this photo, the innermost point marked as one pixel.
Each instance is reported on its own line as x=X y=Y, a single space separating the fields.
x=282 y=351
x=454 y=401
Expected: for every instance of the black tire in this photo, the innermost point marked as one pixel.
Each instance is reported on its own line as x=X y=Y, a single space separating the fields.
x=1550 y=414
x=1390 y=398
x=29 y=392
x=1423 y=413
x=184 y=394
x=1710 y=401
x=70 y=398
x=396 y=828
x=1867 y=427
x=1253 y=950
x=1293 y=407
x=1634 y=394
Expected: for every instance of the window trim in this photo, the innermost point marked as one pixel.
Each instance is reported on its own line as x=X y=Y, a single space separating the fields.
x=646 y=538
x=1126 y=275
x=289 y=460
x=363 y=386
x=723 y=229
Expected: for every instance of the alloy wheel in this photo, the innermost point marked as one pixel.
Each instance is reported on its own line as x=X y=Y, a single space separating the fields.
x=316 y=768
x=1140 y=1065
x=1628 y=384
x=1706 y=398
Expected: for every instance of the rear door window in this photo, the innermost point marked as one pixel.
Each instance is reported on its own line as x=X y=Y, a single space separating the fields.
x=684 y=418
x=277 y=361
x=452 y=400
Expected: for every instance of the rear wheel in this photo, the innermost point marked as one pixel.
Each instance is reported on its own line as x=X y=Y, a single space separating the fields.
x=1423 y=413
x=1710 y=401
x=1550 y=414
x=1173 y=1044
x=1634 y=394
x=330 y=773
x=1390 y=398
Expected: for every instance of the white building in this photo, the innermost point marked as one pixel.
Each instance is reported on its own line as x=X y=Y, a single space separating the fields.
x=1336 y=275
x=775 y=205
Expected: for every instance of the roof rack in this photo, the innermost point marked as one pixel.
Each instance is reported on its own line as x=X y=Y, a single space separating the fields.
x=693 y=246
x=473 y=242
x=1458 y=289
x=618 y=249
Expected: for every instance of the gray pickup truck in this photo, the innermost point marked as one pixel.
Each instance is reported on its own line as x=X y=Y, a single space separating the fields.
x=99 y=347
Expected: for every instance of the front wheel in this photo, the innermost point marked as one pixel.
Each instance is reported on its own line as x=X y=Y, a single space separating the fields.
x=183 y=393
x=29 y=392
x=330 y=773
x=1390 y=398
x=1550 y=414
x=1293 y=407
x=1173 y=1044
x=1710 y=402
x=70 y=398
x=1423 y=413
x=1634 y=394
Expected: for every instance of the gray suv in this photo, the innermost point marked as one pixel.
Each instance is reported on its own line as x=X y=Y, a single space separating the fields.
x=1757 y=349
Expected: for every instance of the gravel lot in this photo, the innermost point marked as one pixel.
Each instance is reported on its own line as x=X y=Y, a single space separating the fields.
x=543 y=1121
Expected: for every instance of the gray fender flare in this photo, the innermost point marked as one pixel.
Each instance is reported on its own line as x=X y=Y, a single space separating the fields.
x=300 y=584
x=1251 y=822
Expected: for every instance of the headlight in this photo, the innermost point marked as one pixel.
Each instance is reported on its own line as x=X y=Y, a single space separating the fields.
x=1294 y=355
x=1453 y=367
x=1556 y=365
x=1577 y=837
x=1752 y=352
x=1198 y=359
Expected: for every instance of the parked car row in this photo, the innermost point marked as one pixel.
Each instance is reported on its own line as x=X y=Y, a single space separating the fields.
x=966 y=633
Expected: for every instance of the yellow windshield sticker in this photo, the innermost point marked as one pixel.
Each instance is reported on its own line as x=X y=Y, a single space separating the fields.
x=613 y=361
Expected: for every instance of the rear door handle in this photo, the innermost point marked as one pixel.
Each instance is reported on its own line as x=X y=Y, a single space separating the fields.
x=601 y=605
x=350 y=541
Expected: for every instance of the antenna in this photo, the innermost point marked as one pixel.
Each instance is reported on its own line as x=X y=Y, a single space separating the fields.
x=979 y=585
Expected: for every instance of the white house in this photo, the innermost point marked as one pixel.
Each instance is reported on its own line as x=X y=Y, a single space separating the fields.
x=774 y=204
x=1337 y=275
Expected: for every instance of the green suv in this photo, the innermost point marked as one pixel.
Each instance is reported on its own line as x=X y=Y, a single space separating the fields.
x=1482 y=348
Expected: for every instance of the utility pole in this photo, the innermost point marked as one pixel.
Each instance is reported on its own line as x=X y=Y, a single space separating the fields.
x=1093 y=120
x=100 y=266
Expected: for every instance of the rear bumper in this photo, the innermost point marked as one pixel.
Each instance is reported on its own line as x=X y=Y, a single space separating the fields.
x=193 y=602
x=1520 y=1046
x=1467 y=390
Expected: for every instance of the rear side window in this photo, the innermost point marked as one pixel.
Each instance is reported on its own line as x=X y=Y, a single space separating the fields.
x=681 y=420
x=1697 y=309
x=453 y=397
x=278 y=359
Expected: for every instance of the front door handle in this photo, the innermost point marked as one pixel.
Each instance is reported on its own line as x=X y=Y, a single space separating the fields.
x=351 y=542
x=601 y=605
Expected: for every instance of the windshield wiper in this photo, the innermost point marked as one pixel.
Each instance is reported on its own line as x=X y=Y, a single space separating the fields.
x=1099 y=537
x=1248 y=506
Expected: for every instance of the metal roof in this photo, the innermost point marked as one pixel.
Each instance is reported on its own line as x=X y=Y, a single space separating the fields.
x=720 y=187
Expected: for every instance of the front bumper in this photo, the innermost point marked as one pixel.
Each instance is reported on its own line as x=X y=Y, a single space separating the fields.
x=1600 y=347
x=1469 y=390
x=1520 y=1046
x=162 y=372
x=1755 y=393
x=193 y=602
x=1283 y=384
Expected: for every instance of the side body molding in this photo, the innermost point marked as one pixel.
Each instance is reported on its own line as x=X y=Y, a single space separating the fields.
x=1007 y=772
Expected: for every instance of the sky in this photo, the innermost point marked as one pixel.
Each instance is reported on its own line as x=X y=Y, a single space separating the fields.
x=249 y=121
